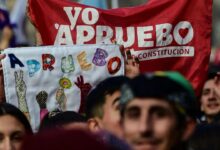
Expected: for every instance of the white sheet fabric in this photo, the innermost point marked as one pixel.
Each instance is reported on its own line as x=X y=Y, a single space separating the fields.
x=21 y=90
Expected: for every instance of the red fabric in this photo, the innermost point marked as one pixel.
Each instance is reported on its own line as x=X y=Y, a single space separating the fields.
x=48 y=16
x=57 y=139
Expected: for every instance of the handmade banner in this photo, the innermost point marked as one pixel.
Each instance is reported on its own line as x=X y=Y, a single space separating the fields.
x=164 y=35
x=41 y=79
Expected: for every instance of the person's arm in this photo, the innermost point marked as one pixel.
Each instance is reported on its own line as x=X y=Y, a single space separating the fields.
x=38 y=39
x=6 y=37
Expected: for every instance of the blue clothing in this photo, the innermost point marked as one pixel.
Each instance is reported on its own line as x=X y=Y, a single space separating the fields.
x=5 y=21
x=95 y=3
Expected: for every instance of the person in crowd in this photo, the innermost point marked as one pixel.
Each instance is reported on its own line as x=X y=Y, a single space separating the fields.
x=14 y=126
x=6 y=40
x=210 y=99
x=6 y=36
x=205 y=137
x=70 y=120
x=64 y=140
x=59 y=119
x=157 y=111
x=19 y=21
x=102 y=109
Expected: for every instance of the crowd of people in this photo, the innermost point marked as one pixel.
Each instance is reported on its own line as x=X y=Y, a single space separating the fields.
x=138 y=111
x=154 y=110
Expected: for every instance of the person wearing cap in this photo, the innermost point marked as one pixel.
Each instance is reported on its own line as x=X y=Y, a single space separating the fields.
x=210 y=99
x=157 y=111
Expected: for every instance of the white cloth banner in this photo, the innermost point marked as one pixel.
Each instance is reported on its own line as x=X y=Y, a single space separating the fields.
x=41 y=79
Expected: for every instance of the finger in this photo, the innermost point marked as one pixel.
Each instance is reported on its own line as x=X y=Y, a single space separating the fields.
x=122 y=50
x=129 y=59
x=21 y=74
x=78 y=79
x=81 y=78
x=128 y=53
x=2 y=56
x=137 y=62
x=16 y=76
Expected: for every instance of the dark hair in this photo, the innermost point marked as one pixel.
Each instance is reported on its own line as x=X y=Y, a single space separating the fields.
x=205 y=137
x=212 y=71
x=64 y=139
x=8 y=109
x=58 y=118
x=96 y=98
x=157 y=86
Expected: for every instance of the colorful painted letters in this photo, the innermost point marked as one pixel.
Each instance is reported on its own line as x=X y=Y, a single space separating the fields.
x=67 y=62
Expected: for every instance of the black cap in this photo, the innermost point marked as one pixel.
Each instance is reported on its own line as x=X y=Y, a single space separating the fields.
x=171 y=86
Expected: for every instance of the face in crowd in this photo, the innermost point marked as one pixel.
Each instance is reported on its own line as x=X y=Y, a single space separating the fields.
x=13 y=127
x=110 y=120
x=153 y=111
x=210 y=100
x=103 y=106
x=150 y=124
x=12 y=133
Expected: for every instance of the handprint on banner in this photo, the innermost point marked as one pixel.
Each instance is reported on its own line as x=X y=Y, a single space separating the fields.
x=61 y=99
x=21 y=93
x=84 y=89
x=41 y=98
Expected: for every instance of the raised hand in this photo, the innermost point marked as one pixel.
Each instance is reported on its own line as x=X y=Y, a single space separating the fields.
x=84 y=88
x=131 y=63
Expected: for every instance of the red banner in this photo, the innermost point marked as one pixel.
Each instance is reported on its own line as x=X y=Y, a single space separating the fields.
x=163 y=34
